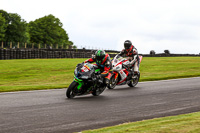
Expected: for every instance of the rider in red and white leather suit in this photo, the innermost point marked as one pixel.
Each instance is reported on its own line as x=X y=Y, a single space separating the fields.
x=132 y=55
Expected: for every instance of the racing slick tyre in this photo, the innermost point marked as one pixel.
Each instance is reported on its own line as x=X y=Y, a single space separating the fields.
x=135 y=80
x=113 y=82
x=70 y=93
x=98 y=91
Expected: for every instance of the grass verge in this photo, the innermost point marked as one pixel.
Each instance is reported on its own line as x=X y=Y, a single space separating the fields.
x=188 y=123
x=36 y=74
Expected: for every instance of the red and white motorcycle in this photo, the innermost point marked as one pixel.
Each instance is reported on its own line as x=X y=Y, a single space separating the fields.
x=122 y=73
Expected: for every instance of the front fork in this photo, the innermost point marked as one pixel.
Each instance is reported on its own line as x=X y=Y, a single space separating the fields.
x=81 y=83
x=115 y=75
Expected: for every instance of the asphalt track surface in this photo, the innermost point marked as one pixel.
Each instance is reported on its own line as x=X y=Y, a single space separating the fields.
x=50 y=111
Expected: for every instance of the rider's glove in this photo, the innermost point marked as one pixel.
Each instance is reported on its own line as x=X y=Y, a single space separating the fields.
x=79 y=64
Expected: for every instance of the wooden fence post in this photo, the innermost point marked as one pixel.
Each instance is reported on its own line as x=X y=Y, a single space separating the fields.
x=2 y=44
x=18 y=45
x=32 y=45
x=25 y=44
x=10 y=44
x=39 y=46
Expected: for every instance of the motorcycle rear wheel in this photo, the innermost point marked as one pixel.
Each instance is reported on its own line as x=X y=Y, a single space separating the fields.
x=134 y=81
x=70 y=93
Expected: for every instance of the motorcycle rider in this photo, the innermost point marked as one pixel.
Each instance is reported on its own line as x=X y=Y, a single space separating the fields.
x=103 y=61
x=132 y=55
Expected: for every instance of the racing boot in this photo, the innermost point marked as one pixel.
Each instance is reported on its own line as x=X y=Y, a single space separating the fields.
x=136 y=73
x=130 y=74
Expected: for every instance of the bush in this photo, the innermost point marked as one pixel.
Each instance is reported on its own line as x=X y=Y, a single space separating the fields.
x=152 y=52
x=166 y=51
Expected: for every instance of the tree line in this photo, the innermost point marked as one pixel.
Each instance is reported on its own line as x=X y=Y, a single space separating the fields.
x=45 y=30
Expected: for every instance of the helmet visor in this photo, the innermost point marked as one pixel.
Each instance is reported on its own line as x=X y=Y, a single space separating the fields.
x=127 y=46
x=99 y=57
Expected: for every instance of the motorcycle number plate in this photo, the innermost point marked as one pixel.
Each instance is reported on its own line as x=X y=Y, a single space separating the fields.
x=85 y=69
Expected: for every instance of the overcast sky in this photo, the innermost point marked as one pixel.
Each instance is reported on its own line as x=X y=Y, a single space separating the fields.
x=106 y=24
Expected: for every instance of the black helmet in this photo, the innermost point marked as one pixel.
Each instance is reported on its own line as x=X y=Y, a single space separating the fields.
x=127 y=44
x=100 y=55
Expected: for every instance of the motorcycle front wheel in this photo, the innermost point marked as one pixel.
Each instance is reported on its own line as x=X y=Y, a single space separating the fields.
x=70 y=93
x=113 y=82
x=134 y=81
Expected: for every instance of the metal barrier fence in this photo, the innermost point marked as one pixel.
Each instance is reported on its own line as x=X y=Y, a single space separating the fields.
x=64 y=53
x=40 y=53
x=13 y=45
x=44 y=53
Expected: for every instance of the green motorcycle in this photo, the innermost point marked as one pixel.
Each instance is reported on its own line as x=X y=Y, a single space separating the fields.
x=86 y=81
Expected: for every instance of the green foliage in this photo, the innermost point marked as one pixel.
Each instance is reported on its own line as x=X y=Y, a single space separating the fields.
x=48 y=30
x=4 y=18
x=15 y=27
x=74 y=47
x=5 y=15
x=2 y=27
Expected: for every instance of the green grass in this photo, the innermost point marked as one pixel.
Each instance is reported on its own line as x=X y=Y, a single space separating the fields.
x=159 y=68
x=189 y=123
x=35 y=74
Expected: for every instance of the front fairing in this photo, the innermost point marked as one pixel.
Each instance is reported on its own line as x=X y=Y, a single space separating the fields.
x=83 y=74
x=84 y=71
x=117 y=63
